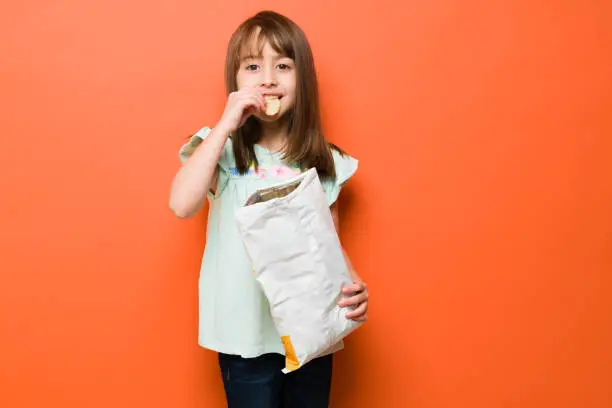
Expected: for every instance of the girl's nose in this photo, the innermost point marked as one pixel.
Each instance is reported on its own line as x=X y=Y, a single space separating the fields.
x=269 y=78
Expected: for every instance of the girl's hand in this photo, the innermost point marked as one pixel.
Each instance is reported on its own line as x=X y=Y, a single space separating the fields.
x=240 y=105
x=357 y=298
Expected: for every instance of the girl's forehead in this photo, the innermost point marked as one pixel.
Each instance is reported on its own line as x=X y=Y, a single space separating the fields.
x=255 y=44
x=256 y=49
x=252 y=48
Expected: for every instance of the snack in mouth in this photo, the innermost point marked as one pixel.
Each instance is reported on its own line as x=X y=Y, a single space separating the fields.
x=272 y=105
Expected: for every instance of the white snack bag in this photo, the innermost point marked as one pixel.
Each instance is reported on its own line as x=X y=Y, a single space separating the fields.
x=290 y=237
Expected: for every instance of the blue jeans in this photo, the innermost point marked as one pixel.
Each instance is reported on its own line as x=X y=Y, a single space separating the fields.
x=259 y=383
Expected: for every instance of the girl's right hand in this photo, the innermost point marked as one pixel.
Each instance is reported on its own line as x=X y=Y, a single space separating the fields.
x=240 y=106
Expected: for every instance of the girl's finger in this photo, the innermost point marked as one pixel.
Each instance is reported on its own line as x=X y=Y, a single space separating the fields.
x=262 y=102
x=354 y=288
x=359 y=312
x=253 y=91
x=354 y=300
x=248 y=110
x=350 y=289
x=251 y=98
x=260 y=97
x=252 y=102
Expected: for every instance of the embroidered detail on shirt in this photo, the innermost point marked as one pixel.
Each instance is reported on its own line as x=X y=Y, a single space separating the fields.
x=274 y=171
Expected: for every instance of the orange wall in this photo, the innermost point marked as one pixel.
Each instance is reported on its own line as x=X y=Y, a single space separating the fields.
x=480 y=216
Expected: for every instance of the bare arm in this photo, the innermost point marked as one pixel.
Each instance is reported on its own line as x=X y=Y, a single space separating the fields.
x=200 y=172
x=197 y=175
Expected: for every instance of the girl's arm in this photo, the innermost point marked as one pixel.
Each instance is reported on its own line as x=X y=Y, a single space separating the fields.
x=357 y=292
x=197 y=175
x=200 y=172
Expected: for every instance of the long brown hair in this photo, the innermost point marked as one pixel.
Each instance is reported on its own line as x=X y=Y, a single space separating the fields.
x=307 y=146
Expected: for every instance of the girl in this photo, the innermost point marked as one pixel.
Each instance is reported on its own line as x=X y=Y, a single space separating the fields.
x=268 y=61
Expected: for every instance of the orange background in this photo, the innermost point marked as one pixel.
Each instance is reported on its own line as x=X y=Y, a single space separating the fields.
x=480 y=215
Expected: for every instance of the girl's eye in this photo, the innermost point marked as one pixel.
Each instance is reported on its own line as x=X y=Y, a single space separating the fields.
x=251 y=67
x=283 y=67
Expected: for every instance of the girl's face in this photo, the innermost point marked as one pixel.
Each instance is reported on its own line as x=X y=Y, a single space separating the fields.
x=272 y=74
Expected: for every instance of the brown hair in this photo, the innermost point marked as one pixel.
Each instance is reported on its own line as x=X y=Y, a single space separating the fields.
x=307 y=146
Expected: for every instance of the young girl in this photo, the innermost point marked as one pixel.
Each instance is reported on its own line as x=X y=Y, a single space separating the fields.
x=269 y=61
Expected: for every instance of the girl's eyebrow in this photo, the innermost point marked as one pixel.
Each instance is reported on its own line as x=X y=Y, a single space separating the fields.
x=250 y=56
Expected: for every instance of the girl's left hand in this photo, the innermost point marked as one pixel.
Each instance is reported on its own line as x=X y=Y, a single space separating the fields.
x=358 y=298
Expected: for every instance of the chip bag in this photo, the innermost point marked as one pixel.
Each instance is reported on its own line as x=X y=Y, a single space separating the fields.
x=290 y=237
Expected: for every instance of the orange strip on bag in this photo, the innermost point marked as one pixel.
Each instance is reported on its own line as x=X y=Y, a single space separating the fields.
x=291 y=361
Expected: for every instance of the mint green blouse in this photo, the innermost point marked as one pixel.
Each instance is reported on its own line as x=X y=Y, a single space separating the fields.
x=234 y=316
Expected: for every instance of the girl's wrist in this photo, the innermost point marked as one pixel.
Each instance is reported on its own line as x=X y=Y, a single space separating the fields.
x=223 y=128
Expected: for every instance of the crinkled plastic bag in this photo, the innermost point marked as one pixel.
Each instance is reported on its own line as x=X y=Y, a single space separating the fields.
x=290 y=237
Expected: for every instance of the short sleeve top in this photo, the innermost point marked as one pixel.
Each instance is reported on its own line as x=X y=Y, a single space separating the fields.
x=234 y=315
